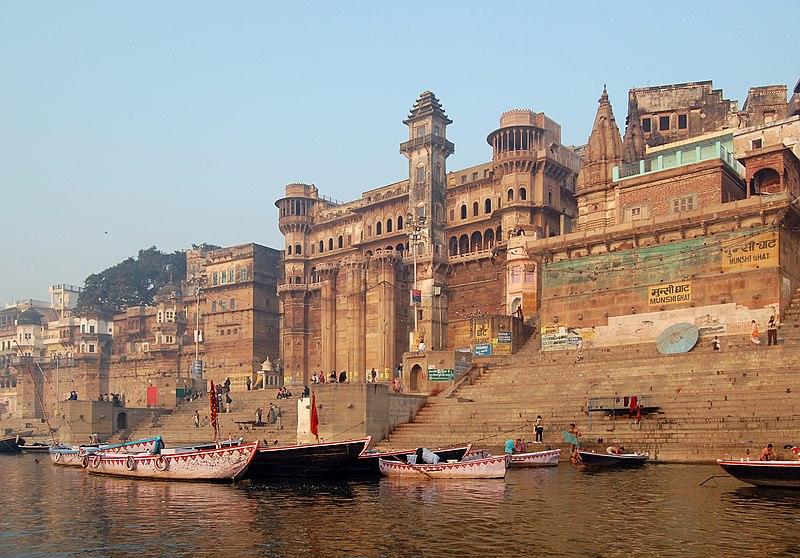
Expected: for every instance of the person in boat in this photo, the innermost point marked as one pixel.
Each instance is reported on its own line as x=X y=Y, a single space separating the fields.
x=768 y=454
x=615 y=450
x=519 y=446
x=538 y=429
x=509 y=447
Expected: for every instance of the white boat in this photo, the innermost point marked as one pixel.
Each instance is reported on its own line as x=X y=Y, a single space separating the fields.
x=183 y=464
x=76 y=456
x=548 y=458
x=493 y=467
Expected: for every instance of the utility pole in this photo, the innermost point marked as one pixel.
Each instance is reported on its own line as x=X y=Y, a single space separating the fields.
x=416 y=224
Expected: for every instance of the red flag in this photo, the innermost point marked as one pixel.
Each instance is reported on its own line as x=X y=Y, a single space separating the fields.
x=314 y=416
x=212 y=395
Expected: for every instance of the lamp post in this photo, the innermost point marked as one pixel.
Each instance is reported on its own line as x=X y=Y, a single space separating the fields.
x=415 y=224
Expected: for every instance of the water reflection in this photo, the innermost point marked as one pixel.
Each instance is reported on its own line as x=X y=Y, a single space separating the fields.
x=656 y=510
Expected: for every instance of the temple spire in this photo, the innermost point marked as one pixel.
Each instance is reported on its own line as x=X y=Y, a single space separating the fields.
x=604 y=150
x=633 y=145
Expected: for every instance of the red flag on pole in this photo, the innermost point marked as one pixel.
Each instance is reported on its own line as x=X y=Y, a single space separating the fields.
x=314 y=416
x=212 y=395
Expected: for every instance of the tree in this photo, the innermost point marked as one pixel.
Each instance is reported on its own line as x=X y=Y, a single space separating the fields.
x=132 y=282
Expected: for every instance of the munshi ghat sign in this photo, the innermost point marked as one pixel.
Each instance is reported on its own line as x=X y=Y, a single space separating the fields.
x=669 y=293
x=750 y=252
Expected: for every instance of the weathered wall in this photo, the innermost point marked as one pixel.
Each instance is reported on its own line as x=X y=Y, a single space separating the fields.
x=474 y=286
x=610 y=296
x=403 y=408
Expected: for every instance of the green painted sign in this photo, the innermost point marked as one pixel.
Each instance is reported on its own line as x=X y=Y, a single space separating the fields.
x=441 y=375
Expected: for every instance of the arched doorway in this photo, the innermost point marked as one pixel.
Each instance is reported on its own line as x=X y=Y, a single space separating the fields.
x=416 y=372
x=122 y=421
x=766 y=180
x=515 y=304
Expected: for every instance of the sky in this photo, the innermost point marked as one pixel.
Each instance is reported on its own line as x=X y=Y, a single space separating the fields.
x=128 y=125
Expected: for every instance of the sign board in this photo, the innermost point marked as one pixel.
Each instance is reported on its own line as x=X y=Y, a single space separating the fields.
x=669 y=294
x=463 y=362
x=750 y=252
x=441 y=375
x=484 y=349
x=197 y=369
x=504 y=337
x=416 y=297
x=481 y=331
x=501 y=349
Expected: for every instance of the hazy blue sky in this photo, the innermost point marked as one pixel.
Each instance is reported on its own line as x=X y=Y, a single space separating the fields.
x=169 y=123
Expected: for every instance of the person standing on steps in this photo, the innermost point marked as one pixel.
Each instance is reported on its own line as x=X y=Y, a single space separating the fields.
x=755 y=336
x=196 y=418
x=772 y=331
x=278 y=419
x=715 y=344
x=538 y=429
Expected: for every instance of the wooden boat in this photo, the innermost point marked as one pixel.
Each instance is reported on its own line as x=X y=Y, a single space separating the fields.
x=778 y=474
x=330 y=459
x=12 y=444
x=178 y=464
x=75 y=456
x=548 y=458
x=592 y=459
x=367 y=463
x=35 y=448
x=493 y=467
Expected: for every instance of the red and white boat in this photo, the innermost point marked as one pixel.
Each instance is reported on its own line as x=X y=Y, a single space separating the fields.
x=181 y=464
x=776 y=474
x=548 y=458
x=77 y=456
x=493 y=467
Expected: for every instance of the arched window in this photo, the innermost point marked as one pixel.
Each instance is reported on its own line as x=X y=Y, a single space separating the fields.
x=388 y=225
x=510 y=194
x=523 y=194
x=313 y=274
x=487 y=206
x=289 y=250
x=464 y=211
x=475 y=209
x=341 y=241
x=378 y=228
x=463 y=244
x=400 y=222
x=476 y=241
x=330 y=244
x=321 y=246
x=298 y=250
x=453 y=246
x=400 y=248
x=488 y=238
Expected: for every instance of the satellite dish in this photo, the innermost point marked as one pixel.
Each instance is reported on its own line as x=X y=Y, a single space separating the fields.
x=677 y=339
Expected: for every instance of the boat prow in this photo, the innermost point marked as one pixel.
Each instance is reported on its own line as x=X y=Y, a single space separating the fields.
x=774 y=474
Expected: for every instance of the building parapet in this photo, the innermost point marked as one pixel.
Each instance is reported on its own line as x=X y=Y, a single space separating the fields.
x=678 y=158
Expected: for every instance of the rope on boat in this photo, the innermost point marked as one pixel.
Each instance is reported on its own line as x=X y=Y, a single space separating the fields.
x=712 y=477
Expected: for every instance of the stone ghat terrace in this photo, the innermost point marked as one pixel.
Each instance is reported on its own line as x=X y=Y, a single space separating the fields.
x=711 y=404
x=177 y=427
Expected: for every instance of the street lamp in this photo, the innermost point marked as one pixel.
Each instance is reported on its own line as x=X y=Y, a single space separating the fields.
x=415 y=225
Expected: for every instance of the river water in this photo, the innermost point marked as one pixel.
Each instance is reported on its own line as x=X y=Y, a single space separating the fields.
x=659 y=510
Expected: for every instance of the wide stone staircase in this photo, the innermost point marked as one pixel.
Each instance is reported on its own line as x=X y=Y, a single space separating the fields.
x=178 y=427
x=709 y=404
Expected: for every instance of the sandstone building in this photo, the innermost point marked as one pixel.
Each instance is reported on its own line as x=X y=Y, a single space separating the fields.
x=579 y=238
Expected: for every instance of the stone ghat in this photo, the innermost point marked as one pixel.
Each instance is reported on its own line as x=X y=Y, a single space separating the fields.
x=711 y=404
x=178 y=427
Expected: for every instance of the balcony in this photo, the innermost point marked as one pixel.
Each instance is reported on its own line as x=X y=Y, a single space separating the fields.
x=292 y=288
x=428 y=139
x=671 y=159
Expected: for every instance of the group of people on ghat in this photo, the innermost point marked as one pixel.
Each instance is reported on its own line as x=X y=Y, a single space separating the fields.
x=115 y=398
x=224 y=400
x=519 y=445
x=755 y=334
x=334 y=378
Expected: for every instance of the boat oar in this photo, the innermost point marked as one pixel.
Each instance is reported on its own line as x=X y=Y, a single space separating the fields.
x=714 y=477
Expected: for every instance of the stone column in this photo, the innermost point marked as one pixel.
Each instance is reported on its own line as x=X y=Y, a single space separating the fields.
x=356 y=289
x=328 y=274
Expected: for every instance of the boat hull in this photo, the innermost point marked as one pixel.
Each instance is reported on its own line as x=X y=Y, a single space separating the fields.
x=11 y=444
x=329 y=459
x=626 y=460
x=774 y=474
x=75 y=456
x=35 y=448
x=368 y=464
x=223 y=464
x=547 y=458
x=485 y=468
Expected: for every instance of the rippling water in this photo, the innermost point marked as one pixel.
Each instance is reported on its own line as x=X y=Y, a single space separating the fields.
x=659 y=510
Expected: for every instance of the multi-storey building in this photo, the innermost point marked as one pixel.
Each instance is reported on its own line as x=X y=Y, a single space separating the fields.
x=349 y=267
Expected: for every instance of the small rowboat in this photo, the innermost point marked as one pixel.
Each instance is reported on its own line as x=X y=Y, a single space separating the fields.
x=12 y=444
x=75 y=456
x=778 y=474
x=593 y=459
x=36 y=448
x=368 y=462
x=179 y=464
x=484 y=468
x=547 y=458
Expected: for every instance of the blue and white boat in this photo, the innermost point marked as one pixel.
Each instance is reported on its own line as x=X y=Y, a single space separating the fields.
x=76 y=456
